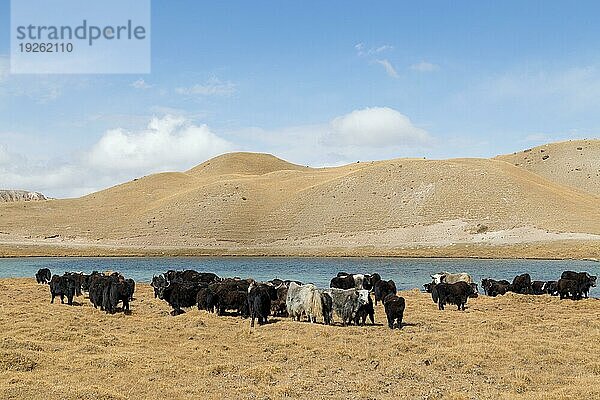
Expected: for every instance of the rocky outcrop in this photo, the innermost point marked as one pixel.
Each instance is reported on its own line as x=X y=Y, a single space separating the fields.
x=20 y=195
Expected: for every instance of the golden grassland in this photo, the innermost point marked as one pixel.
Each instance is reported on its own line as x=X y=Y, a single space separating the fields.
x=511 y=347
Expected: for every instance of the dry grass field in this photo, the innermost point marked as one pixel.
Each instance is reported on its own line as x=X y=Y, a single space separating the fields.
x=511 y=347
x=248 y=203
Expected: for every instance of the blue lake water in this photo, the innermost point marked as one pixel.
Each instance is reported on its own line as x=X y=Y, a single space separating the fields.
x=407 y=273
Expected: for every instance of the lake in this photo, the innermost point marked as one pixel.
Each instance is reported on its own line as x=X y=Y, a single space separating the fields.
x=407 y=273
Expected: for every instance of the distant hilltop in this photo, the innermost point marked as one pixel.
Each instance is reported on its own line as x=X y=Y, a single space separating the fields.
x=20 y=195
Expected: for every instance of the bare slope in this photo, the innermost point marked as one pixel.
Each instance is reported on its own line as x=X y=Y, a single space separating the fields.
x=244 y=201
x=574 y=163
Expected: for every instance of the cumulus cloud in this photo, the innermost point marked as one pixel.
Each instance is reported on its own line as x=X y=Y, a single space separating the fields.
x=212 y=87
x=140 y=84
x=376 y=127
x=389 y=68
x=166 y=144
x=424 y=66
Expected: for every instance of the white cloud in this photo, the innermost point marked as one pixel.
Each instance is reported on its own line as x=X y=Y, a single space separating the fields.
x=212 y=87
x=389 y=68
x=370 y=53
x=385 y=47
x=361 y=50
x=376 y=127
x=424 y=66
x=166 y=144
x=140 y=84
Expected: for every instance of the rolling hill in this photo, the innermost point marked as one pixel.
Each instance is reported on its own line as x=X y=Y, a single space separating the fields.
x=573 y=163
x=249 y=203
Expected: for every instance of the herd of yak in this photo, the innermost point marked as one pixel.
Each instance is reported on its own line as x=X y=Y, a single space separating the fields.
x=105 y=290
x=348 y=298
x=457 y=288
x=571 y=285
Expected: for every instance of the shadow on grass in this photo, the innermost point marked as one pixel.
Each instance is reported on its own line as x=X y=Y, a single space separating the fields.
x=269 y=322
x=74 y=304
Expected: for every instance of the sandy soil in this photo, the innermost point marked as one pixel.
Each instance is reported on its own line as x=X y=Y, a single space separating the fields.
x=511 y=347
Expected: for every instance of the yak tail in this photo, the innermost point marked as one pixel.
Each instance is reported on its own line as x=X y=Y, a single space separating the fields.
x=316 y=307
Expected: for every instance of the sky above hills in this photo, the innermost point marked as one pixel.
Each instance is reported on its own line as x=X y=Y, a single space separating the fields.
x=316 y=83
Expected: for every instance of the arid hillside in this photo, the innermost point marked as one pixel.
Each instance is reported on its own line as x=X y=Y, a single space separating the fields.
x=509 y=347
x=573 y=163
x=244 y=203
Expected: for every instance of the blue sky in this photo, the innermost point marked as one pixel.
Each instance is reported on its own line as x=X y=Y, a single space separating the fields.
x=317 y=83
